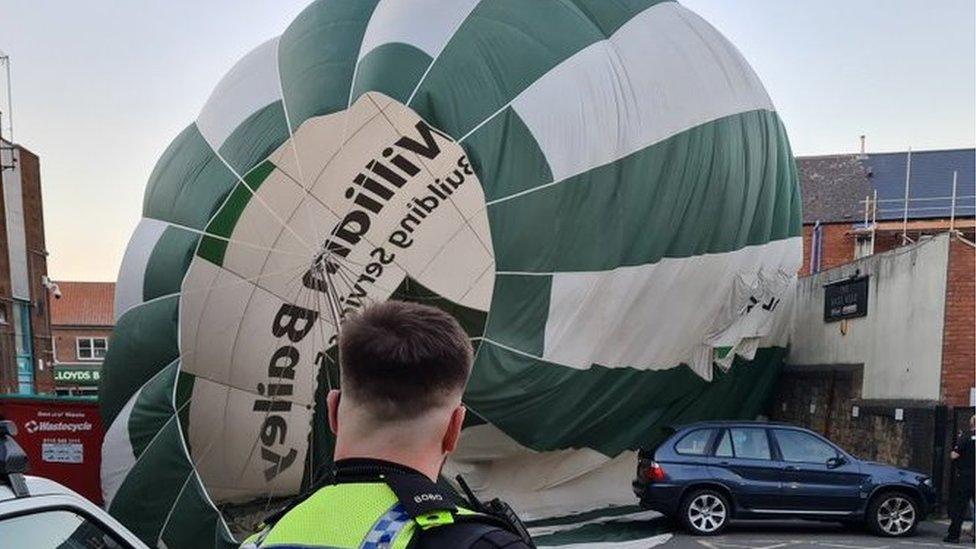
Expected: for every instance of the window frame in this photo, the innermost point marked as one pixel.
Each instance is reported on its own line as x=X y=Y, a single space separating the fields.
x=91 y=342
x=709 y=444
x=779 y=451
x=718 y=442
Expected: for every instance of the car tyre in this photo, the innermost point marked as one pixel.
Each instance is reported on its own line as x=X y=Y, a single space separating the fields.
x=705 y=512
x=893 y=515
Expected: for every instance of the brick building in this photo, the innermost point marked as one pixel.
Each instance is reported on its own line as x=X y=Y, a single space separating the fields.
x=894 y=379
x=836 y=229
x=26 y=355
x=81 y=325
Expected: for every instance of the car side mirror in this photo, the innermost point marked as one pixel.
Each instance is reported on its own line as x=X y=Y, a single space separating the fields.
x=835 y=462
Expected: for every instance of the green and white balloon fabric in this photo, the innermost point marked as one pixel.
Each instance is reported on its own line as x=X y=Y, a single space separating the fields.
x=600 y=191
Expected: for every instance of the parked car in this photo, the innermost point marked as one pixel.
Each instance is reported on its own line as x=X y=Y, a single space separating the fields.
x=41 y=514
x=706 y=474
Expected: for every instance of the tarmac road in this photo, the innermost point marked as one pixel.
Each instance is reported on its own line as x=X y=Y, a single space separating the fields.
x=801 y=535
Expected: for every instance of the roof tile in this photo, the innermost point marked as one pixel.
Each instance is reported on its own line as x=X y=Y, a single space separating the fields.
x=84 y=304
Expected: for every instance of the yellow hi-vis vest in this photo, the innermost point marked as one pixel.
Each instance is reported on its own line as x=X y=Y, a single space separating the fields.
x=363 y=515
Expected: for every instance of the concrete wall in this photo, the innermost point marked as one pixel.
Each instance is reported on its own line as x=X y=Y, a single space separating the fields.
x=899 y=342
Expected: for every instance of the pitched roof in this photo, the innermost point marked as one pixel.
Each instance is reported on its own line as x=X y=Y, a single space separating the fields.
x=834 y=186
x=831 y=187
x=84 y=304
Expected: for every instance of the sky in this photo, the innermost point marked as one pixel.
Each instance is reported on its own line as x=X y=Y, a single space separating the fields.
x=101 y=87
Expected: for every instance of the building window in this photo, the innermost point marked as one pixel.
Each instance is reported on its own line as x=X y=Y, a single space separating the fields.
x=22 y=347
x=92 y=348
x=695 y=443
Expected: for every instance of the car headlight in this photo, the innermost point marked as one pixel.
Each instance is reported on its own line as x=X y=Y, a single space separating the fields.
x=927 y=481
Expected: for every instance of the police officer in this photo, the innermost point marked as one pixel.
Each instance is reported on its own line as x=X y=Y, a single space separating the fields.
x=964 y=458
x=403 y=368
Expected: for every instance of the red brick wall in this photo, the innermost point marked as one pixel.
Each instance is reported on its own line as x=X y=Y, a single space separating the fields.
x=884 y=242
x=30 y=170
x=959 y=335
x=64 y=340
x=838 y=246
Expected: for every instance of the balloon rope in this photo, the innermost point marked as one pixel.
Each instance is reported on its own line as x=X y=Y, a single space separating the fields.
x=261 y=201
x=228 y=239
x=332 y=299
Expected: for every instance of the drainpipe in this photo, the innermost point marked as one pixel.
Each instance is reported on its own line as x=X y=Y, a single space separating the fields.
x=908 y=177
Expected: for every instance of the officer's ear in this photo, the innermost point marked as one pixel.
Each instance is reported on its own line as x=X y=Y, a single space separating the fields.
x=453 y=433
x=332 y=403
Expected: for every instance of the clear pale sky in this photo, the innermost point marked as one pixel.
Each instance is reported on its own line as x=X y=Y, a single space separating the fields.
x=102 y=86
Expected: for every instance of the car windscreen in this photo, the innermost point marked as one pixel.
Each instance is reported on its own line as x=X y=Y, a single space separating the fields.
x=57 y=529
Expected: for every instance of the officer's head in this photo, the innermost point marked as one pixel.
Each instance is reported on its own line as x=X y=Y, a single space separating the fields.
x=403 y=370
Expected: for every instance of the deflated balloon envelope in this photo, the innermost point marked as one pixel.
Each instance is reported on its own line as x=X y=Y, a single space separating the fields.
x=601 y=192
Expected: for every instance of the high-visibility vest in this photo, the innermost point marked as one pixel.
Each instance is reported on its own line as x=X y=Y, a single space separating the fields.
x=365 y=515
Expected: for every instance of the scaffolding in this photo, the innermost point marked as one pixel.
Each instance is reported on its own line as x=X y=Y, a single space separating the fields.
x=873 y=206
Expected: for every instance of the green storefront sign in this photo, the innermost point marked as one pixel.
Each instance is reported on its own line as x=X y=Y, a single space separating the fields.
x=84 y=376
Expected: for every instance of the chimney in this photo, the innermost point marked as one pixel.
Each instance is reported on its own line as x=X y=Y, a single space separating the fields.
x=863 y=153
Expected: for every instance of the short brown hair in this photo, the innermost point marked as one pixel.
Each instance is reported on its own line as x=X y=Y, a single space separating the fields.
x=403 y=359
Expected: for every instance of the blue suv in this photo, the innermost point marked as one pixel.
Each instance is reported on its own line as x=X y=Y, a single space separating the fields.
x=706 y=474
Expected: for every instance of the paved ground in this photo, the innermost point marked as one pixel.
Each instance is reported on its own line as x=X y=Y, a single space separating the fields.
x=800 y=535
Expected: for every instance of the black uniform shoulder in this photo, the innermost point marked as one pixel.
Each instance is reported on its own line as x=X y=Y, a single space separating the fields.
x=469 y=535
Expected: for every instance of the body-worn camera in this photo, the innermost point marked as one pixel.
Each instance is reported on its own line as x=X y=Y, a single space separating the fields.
x=498 y=509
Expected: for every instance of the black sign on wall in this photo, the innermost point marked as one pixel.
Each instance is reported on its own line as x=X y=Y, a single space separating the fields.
x=846 y=299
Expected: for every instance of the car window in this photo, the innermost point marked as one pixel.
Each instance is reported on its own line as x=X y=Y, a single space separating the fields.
x=803 y=447
x=694 y=443
x=750 y=443
x=724 y=446
x=56 y=529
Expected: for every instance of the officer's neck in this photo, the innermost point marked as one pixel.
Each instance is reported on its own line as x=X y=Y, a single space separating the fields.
x=424 y=458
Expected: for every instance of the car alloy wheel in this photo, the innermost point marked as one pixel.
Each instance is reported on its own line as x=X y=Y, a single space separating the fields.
x=896 y=515
x=706 y=513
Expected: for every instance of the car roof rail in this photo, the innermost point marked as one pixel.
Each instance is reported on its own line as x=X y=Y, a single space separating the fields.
x=743 y=422
x=13 y=460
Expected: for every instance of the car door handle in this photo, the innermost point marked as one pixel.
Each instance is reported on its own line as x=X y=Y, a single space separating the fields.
x=792 y=468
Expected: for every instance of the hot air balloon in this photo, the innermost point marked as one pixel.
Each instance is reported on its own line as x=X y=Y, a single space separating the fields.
x=601 y=192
